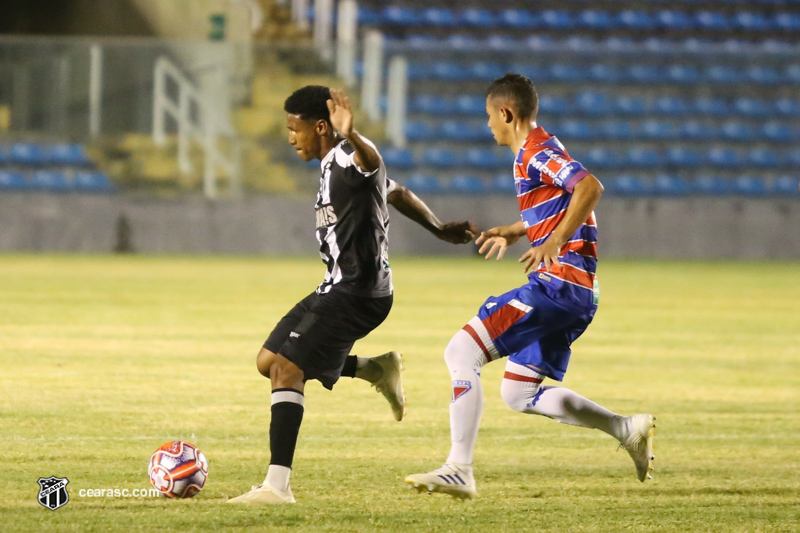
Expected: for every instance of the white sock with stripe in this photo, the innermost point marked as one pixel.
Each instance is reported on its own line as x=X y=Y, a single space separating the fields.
x=522 y=391
x=464 y=358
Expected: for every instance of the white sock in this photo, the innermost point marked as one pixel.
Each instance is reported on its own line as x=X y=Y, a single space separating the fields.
x=464 y=358
x=521 y=389
x=278 y=477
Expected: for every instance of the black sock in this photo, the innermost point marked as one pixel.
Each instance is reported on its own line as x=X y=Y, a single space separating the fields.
x=350 y=365
x=287 y=415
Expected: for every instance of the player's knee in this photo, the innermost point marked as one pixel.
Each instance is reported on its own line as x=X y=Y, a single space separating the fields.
x=462 y=350
x=517 y=395
x=264 y=361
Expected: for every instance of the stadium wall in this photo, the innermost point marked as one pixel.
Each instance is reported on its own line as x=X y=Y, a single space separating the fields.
x=690 y=227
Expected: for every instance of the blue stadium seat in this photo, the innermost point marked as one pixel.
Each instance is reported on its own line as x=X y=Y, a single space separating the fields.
x=786 y=186
x=4 y=158
x=627 y=185
x=671 y=105
x=643 y=158
x=92 y=181
x=422 y=42
x=539 y=42
x=454 y=130
x=724 y=157
x=501 y=43
x=593 y=103
x=580 y=43
x=485 y=158
x=616 y=130
x=750 y=185
x=646 y=74
x=596 y=19
x=460 y=41
x=738 y=131
x=503 y=183
x=67 y=154
x=486 y=71
x=636 y=20
x=467 y=184
x=715 y=107
x=419 y=131
x=660 y=130
x=752 y=21
x=368 y=16
x=674 y=20
x=696 y=130
x=682 y=74
x=616 y=43
x=424 y=183
x=752 y=107
x=470 y=105
x=430 y=104
x=537 y=73
x=449 y=71
x=553 y=105
x=399 y=16
x=556 y=19
x=27 y=154
x=440 y=157
x=50 y=180
x=10 y=180
x=793 y=158
x=604 y=73
x=762 y=75
x=764 y=158
x=722 y=74
x=712 y=20
x=479 y=18
x=397 y=157
x=789 y=22
x=519 y=18
x=711 y=185
x=631 y=105
x=577 y=130
x=418 y=71
x=793 y=74
x=683 y=157
x=669 y=185
x=600 y=158
x=779 y=132
x=789 y=107
x=566 y=72
x=438 y=17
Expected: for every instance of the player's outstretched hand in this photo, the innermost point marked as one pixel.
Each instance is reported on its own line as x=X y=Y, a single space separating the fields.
x=341 y=112
x=547 y=252
x=458 y=232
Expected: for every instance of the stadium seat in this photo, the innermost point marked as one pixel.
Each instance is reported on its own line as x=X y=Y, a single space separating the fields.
x=715 y=107
x=397 y=157
x=485 y=158
x=418 y=71
x=616 y=130
x=696 y=130
x=660 y=130
x=27 y=154
x=750 y=185
x=616 y=43
x=643 y=158
x=67 y=154
x=764 y=158
x=501 y=43
x=600 y=158
x=466 y=184
x=682 y=74
x=87 y=181
x=793 y=74
x=636 y=20
x=738 y=131
x=399 y=16
x=595 y=19
x=440 y=157
x=421 y=42
x=752 y=107
x=604 y=73
x=368 y=16
x=793 y=158
x=449 y=71
x=424 y=183
x=671 y=105
x=669 y=185
x=722 y=74
x=762 y=75
x=556 y=19
x=536 y=73
x=566 y=72
x=789 y=22
x=626 y=185
x=10 y=180
x=419 y=131
x=486 y=71
x=539 y=42
x=519 y=18
x=646 y=74
x=593 y=103
x=713 y=21
x=577 y=130
x=50 y=180
x=438 y=17
x=711 y=185
x=431 y=105
x=789 y=107
x=503 y=184
x=751 y=21
x=580 y=43
x=470 y=105
x=724 y=157
x=455 y=130
x=674 y=20
x=553 y=105
x=479 y=18
x=786 y=186
x=461 y=42
x=683 y=157
x=631 y=105
x=779 y=132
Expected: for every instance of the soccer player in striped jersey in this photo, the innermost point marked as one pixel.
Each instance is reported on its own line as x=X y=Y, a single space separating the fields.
x=533 y=325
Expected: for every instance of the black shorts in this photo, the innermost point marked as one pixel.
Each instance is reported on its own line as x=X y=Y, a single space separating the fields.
x=319 y=332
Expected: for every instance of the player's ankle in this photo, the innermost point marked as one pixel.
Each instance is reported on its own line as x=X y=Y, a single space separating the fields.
x=368 y=370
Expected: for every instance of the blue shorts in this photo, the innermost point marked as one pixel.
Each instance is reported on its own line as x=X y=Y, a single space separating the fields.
x=530 y=328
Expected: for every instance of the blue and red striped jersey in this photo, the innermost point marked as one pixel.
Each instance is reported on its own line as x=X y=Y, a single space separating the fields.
x=545 y=176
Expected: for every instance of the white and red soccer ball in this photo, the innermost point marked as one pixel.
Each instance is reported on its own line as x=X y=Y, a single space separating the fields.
x=178 y=470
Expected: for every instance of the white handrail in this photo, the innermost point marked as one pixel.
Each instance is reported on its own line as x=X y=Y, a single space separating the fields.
x=205 y=128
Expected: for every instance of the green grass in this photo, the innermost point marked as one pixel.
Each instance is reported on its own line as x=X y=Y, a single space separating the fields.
x=105 y=358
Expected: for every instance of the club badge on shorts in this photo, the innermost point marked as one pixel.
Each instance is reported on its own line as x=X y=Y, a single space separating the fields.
x=53 y=492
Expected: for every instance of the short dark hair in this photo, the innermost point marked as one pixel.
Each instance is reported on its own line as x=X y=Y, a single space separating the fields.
x=519 y=91
x=310 y=103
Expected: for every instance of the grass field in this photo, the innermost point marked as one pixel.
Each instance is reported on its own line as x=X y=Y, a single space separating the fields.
x=105 y=358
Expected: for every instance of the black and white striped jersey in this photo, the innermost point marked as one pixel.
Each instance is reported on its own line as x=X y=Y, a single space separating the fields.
x=353 y=225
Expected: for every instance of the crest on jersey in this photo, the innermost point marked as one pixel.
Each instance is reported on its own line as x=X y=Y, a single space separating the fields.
x=460 y=388
x=53 y=492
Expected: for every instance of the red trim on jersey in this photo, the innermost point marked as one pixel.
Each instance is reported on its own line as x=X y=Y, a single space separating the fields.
x=474 y=334
x=580 y=247
x=546 y=226
x=539 y=196
x=572 y=274
x=498 y=322
x=518 y=377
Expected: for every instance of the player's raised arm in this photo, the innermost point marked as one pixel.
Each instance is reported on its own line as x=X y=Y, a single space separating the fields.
x=411 y=206
x=496 y=240
x=366 y=156
x=585 y=196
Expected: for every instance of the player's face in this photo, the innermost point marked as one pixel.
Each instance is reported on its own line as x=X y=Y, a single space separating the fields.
x=497 y=123
x=303 y=137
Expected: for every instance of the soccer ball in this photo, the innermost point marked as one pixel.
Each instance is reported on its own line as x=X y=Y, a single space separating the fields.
x=178 y=470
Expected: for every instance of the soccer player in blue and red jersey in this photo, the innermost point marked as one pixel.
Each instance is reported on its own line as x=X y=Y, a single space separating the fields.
x=533 y=325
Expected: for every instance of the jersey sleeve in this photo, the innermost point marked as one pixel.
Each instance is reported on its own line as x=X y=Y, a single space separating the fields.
x=553 y=167
x=352 y=173
x=391 y=185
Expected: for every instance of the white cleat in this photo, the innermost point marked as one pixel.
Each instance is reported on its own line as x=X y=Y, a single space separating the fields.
x=390 y=384
x=453 y=479
x=265 y=493
x=639 y=445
